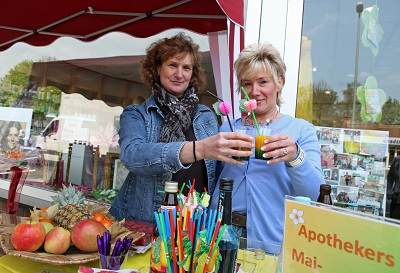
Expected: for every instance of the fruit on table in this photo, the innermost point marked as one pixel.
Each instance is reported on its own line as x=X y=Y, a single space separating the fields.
x=57 y=241
x=84 y=234
x=68 y=216
x=68 y=195
x=99 y=217
x=47 y=226
x=106 y=223
x=46 y=220
x=27 y=236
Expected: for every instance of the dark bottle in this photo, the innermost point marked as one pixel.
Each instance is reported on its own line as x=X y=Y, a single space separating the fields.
x=325 y=194
x=170 y=200
x=229 y=244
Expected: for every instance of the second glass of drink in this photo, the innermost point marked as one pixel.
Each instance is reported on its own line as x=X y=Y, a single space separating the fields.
x=263 y=134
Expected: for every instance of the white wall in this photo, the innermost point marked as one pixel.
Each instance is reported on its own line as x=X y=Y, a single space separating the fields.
x=278 y=22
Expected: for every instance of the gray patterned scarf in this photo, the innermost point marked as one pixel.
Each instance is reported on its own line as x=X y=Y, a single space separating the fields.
x=178 y=113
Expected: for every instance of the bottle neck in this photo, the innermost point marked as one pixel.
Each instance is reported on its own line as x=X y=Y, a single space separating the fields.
x=325 y=192
x=325 y=197
x=225 y=206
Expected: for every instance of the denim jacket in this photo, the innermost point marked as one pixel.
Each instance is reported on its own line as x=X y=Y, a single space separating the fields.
x=151 y=163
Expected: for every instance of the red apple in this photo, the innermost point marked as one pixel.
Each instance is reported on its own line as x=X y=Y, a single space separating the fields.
x=28 y=236
x=84 y=234
x=57 y=241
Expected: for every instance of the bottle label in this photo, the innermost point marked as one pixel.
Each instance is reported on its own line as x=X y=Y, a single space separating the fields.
x=168 y=207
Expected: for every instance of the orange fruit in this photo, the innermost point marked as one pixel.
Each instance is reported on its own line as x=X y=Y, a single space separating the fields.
x=99 y=217
x=46 y=220
x=43 y=209
x=106 y=223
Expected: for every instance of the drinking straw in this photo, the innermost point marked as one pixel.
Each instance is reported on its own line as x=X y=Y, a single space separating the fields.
x=125 y=248
x=158 y=223
x=186 y=216
x=192 y=187
x=171 y=222
x=165 y=243
x=196 y=227
x=252 y=111
x=198 y=224
x=174 y=217
x=212 y=224
x=189 y=212
x=117 y=247
x=211 y=251
x=180 y=243
x=209 y=220
x=101 y=248
x=167 y=224
x=184 y=184
x=227 y=116
x=203 y=226
x=108 y=244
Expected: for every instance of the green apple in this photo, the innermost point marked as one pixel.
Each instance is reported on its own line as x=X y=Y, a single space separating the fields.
x=47 y=226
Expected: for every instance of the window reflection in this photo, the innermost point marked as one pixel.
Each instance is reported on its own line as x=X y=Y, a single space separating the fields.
x=330 y=29
x=75 y=92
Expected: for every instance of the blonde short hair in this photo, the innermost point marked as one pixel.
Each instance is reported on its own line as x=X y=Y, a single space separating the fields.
x=260 y=56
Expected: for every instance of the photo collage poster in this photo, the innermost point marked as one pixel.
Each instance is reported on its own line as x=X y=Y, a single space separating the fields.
x=353 y=161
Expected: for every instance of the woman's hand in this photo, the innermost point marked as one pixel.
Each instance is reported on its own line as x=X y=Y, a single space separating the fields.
x=281 y=147
x=219 y=147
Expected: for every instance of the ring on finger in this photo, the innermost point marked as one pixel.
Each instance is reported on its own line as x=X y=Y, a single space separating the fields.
x=285 y=151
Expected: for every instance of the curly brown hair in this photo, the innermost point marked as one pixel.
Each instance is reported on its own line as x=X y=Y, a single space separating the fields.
x=163 y=49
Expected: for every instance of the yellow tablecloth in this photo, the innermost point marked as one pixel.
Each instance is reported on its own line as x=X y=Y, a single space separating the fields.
x=22 y=265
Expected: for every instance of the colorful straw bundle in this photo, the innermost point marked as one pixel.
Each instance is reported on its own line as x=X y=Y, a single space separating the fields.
x=187 y=239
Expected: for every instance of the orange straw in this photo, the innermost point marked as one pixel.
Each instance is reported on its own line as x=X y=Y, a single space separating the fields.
x=180 y=243
x=212 y=245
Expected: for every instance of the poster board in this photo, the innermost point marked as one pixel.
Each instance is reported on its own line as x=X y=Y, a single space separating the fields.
x=322 y=239
x=20 y=116
x=362 y=154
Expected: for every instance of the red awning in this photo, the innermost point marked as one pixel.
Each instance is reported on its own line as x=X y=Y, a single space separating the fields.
x=41 y=22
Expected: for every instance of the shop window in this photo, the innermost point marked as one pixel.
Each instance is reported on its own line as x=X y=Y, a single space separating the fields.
x=351 y=77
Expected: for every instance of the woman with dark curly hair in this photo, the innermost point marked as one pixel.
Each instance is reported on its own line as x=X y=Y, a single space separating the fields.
x=171 y=136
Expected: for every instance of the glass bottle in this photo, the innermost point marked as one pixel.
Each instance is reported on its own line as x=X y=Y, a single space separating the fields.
x=229 y=244
x=325 y=194
x=170 y=200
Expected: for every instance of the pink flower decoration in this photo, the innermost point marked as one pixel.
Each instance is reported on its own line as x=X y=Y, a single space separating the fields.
x=224 y=108
x=105 y=137
x=250 y=105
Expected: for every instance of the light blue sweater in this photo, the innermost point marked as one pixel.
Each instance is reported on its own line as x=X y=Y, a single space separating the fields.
x=259 y=188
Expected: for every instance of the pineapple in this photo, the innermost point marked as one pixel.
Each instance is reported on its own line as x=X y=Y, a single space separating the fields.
x=68 y=195
x=69 y=215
